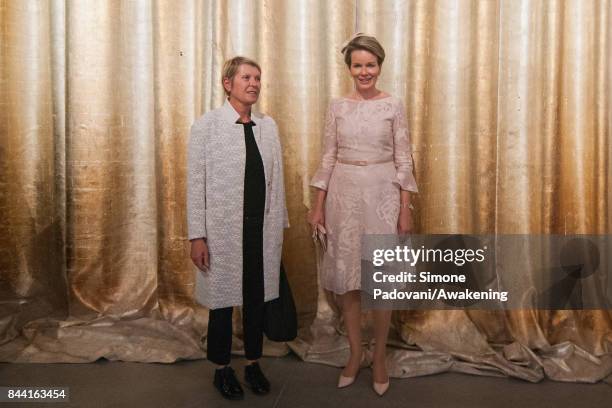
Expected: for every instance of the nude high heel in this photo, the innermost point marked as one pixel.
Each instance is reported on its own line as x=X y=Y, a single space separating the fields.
x=346 y=381
x=380 y=388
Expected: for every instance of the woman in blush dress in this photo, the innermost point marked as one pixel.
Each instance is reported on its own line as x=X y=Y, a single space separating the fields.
x=363 y=187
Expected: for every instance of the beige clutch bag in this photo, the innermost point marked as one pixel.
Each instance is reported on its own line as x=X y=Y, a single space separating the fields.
x=319 y=236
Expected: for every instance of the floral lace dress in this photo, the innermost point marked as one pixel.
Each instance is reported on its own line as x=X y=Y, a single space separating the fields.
x=366 y=160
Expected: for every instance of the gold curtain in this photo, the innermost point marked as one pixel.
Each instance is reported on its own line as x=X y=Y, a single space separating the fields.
x=510 y=115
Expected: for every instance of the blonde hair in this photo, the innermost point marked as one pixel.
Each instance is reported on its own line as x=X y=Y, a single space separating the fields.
x=230 y=68
x=366 y=43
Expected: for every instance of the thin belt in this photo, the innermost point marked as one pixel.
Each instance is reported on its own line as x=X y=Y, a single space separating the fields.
x=364 y=162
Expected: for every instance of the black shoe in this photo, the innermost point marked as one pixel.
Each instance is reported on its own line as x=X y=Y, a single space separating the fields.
x=256 y=380
x=227 y=383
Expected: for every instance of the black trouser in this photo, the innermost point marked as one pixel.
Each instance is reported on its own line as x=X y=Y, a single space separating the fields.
x=219 y=341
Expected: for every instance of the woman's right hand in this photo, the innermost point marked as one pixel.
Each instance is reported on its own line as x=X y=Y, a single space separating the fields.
x=199 y=254
x=316 y=217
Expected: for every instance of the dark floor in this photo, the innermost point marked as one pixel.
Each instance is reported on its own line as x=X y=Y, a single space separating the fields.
x=295 y=384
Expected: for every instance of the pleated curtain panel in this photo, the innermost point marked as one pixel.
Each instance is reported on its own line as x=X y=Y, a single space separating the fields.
x=509 y=111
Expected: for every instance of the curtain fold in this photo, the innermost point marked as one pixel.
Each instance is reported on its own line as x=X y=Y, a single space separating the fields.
x=510 y=119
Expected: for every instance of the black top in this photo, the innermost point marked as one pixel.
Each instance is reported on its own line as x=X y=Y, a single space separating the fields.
x=254 y=175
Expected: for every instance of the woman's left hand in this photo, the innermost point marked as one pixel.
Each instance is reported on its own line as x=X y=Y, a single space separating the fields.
x=404 y=222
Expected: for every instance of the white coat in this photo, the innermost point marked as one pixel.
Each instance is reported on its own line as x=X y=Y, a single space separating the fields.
x=215 y=197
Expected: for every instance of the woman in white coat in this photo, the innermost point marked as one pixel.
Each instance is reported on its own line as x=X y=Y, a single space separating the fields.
x=236 y=214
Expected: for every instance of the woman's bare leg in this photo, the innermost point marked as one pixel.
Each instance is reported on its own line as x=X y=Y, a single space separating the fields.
x=382 y=322
x=350 y=302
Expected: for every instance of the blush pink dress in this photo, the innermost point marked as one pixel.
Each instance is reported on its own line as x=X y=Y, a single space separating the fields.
x=366 y=160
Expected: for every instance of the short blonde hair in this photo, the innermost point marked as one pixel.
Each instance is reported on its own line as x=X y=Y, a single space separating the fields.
x=230 y=68
x=366 y=43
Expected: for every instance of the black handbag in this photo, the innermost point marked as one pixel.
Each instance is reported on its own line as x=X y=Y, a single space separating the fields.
x=280 y=317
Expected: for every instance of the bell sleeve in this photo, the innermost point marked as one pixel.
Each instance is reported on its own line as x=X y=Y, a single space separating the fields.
x=402 y=152
x=330 y=152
